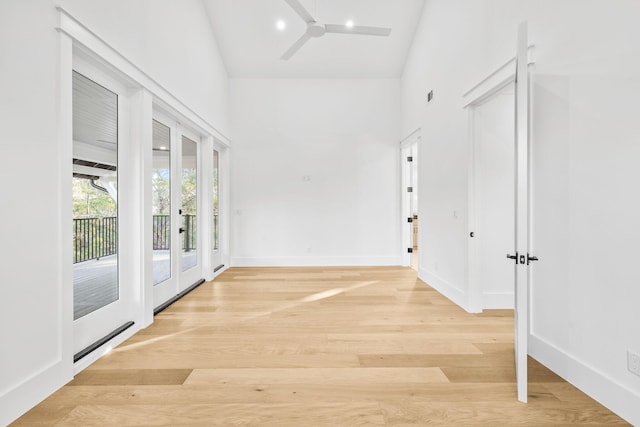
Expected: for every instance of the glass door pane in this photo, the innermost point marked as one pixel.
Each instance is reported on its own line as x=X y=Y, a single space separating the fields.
x=161 y=195
x=95 y=196
x=189 y=186
x=216 y=201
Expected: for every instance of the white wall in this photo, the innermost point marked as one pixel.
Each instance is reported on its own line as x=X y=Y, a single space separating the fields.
x=585 y=150
x=172 y=41
x=343 y=135
x=31 y=337
x=36 y=308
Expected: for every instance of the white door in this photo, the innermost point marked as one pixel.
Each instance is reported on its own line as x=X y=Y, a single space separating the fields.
x=522 y=246
x=175 y=190
x=100 y=294
x=490 y=182
x=189 y=223
x=164 y=185
x=217 y=259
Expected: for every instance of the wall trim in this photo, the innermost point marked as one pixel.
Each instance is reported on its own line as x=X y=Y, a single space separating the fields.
x=36 y=388
x=447 y=289
x=328 y=261
x=497 y=79
x=610 y=393
x=498 y=301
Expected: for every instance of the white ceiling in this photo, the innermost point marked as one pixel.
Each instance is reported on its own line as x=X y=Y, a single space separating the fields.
x=251 y=45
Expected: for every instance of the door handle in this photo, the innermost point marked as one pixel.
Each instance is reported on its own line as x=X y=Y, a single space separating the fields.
x=531 y=258
x=181 y=230
x=513 y=257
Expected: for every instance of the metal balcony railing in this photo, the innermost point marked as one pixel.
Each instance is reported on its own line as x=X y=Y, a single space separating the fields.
x=94 y=238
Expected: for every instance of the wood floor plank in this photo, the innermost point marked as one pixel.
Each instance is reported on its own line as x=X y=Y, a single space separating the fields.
x=321 y=346
x=439 y=360
x=333 y=376
x=131 y=377
x=268 y=415
x=492 y=414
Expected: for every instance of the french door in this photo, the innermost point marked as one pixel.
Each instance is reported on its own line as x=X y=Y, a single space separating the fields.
x=217 y=259
x=101 y=296
x=175 y=183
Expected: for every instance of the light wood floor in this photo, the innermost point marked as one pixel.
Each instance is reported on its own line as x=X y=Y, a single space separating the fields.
x=317 y=347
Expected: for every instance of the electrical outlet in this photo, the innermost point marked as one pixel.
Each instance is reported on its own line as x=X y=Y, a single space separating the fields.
x=633 y=362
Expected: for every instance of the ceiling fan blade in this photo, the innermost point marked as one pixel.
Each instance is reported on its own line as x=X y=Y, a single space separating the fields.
x=300 y=10
x=365 y=31
x=295 y=47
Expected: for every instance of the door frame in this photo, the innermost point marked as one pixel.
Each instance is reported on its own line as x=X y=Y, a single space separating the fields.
x=406 y=180
x=119 y=312
x=502 y=77
x=475 y=290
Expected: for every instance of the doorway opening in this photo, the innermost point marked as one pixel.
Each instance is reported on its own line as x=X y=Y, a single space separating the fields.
x=409 y=191
x=493 y=199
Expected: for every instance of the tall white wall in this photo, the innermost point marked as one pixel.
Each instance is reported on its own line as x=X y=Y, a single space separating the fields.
x=170 y=41
x=586 y=83
x=340 y=134
x=31 y=337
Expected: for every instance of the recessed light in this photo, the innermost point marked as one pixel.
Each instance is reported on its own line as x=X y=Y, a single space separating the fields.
x=349 y=23
x=281 y=25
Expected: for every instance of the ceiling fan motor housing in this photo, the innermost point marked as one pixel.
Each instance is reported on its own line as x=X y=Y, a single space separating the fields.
x=315 y=29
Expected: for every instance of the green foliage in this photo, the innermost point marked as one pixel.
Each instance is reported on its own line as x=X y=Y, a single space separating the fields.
x=189 y=191
x=161 y=183
x=89 y=202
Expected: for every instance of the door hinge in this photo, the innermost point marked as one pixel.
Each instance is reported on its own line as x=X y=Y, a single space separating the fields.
x=410 y=250
x=410 y=159
x=409 y=219
x=409 y=189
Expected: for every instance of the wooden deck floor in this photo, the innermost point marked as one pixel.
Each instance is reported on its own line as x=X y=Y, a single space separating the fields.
x=95 y=282
x=317 y=347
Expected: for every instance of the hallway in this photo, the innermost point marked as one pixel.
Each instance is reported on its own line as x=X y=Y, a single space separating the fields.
x=316 y=347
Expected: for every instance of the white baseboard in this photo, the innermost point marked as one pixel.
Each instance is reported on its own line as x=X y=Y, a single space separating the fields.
x=615 y=396
x=20 y=399
x=213 y=275
x=456 y=295
x=498 y=301
x=315 y=261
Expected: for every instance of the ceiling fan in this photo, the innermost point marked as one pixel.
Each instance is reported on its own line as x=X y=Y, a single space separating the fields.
x=318 y=29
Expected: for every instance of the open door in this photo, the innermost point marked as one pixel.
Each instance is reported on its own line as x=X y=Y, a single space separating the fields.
x=522 y=256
